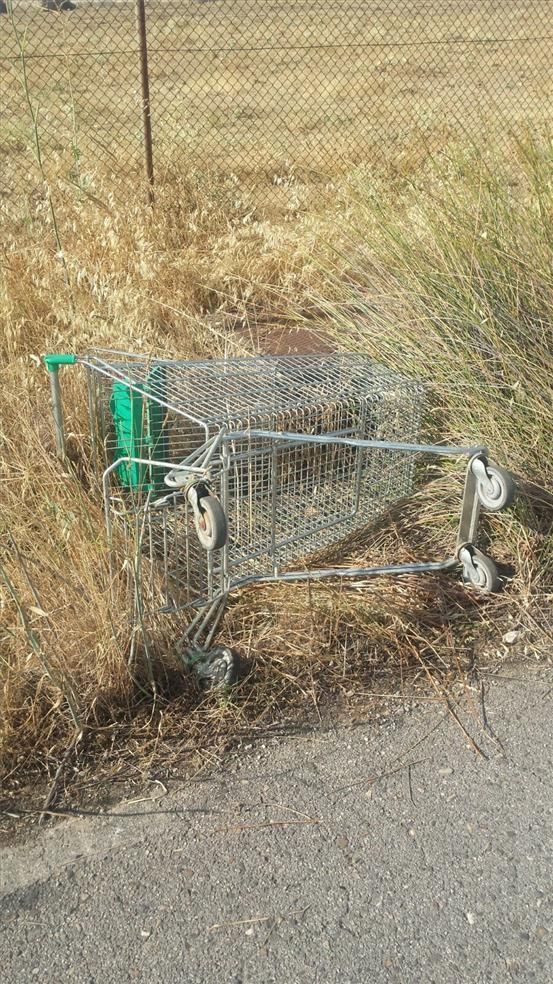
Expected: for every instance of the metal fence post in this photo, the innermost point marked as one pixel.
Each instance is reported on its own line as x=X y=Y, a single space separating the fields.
x=146 y=114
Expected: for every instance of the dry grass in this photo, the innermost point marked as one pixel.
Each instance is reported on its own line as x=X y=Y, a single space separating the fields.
x=439 y=263
x=430 y=270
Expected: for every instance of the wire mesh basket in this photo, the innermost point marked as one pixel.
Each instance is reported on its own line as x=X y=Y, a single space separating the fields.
x=233 y=471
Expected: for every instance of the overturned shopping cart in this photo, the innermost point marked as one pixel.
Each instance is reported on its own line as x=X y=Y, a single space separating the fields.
x=234 y=471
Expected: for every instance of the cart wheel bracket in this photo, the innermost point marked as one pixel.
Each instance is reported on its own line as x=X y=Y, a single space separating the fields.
x=195 y=493
x=465 y=557
x=209 y=516
x=478 y=569
x=495 y=486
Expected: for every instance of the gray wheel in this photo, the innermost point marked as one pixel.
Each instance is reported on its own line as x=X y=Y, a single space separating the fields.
x=211 y=524
x=219 y=668
x=481 y=572
x=498 y=490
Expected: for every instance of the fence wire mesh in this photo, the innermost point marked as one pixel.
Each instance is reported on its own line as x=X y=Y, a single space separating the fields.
x=257 y=87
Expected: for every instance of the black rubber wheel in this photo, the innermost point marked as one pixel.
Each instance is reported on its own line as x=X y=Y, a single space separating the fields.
x=482 y=573
x=219 y=669
x=498 y=491
x=211 y=524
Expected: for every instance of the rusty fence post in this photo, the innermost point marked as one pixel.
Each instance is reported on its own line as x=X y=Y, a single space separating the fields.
x=146 y=113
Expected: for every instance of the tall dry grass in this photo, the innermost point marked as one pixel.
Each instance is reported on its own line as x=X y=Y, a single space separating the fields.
x=453 y=284
x=443 y=269
x=191 y=278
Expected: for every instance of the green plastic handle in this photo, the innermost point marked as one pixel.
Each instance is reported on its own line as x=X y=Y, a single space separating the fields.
x=53 y=362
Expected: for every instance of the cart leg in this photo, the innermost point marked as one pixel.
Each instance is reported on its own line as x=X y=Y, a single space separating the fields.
x=470 y=510
x=491 y=487
x=57 y=411
x=215 y=666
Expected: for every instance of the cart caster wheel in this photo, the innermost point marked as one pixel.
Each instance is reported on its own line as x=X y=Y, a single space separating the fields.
x=496 y=489
x=219 y=668
x=211 y=523
x=479 y=570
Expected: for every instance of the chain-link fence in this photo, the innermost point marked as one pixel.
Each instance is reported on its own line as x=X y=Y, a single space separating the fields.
x=253 y=87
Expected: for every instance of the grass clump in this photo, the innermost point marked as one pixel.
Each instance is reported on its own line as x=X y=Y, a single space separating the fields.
x=451 y=281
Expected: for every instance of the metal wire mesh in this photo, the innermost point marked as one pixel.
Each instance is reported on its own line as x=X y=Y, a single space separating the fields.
x=258 y=89
x=238 y=393
x=283 y=499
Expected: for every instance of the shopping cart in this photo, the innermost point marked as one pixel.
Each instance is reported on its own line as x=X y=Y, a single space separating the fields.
x=233 y=471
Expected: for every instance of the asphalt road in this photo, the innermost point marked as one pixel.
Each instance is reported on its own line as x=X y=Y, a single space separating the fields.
x=389 y=852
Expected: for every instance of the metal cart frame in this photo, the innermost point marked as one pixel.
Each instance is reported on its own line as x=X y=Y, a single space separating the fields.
x=199 y=480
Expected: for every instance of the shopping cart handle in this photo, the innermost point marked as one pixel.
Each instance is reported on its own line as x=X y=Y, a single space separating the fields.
x=53 y=362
